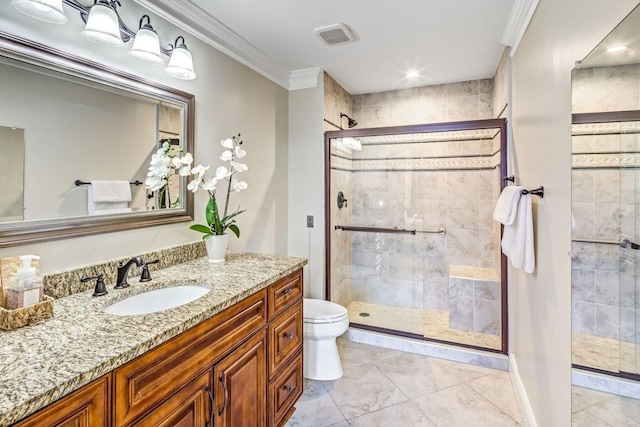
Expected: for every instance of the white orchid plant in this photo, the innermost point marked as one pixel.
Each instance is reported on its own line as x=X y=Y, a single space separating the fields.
x=164 y=161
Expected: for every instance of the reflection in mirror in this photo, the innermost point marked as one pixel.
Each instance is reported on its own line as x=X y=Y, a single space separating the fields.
x=12 y=176
x=79 y=122
x=605 y=227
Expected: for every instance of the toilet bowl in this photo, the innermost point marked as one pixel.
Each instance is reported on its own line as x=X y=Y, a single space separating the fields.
x=323 y=322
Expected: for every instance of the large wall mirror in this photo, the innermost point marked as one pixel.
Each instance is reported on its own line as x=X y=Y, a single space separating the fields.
x=65 y=122
x=606 y=230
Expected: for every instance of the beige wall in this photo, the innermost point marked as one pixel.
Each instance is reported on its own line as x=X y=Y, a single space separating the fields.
x=306 y=183
x=230 y=98
x=540 y=307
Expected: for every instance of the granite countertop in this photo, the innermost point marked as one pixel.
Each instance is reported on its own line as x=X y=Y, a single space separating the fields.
x=43 y=363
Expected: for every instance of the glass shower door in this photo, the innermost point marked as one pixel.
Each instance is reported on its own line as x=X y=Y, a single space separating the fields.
x=413 y=247
x=629 y=253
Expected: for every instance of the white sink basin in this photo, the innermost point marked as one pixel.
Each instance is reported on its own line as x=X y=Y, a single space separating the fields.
x=157 y=300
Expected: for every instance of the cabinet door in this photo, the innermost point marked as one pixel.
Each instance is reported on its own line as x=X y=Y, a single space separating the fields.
x=189 y=407
x=86 y=407
x=241 y=385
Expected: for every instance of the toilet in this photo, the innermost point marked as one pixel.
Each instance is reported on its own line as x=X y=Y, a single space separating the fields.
x=323 y=322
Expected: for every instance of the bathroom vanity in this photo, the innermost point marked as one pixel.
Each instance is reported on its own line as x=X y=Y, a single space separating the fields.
x=230 y=358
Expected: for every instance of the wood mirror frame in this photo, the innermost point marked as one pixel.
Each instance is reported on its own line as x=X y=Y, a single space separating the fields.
x=27 y=232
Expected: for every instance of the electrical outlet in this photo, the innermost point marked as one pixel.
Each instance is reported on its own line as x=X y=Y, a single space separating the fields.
x=309 y=221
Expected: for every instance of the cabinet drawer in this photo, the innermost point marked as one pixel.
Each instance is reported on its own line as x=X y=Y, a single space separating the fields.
x=284 y=391
x=284 y=292
x=151 y=378
x=191 y=406
x=285 y=337
x=86 y=407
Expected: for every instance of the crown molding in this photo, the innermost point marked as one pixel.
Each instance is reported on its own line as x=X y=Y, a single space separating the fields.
x=519 y=19
x=304 y=78
x=196 y=21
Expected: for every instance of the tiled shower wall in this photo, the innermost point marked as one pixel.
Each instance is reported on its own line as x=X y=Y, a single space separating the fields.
x=604 y=204
x=413 y=271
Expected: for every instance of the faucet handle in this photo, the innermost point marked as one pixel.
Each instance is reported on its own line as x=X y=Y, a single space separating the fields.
x=100 y=288
x=146 y=276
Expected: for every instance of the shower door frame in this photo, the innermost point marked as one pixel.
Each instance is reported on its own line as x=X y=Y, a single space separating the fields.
x=606 y=117
x=500 y=124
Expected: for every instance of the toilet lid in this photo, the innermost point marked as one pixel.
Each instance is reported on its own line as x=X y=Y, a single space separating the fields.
x=321 y=311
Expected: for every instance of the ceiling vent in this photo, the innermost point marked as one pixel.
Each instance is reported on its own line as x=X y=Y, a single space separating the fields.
x=336 y=34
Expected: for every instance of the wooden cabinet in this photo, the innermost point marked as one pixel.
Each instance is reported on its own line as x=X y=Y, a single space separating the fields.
x=86 y=407
x=241 y=385
x=191 y=406
x=241 y=367
x=151 y=378
x=285 y=347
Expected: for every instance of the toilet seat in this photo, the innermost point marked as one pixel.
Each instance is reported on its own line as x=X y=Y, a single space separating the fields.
x=321 y=311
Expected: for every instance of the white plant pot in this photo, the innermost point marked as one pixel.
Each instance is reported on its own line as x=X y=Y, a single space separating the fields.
x=217 y=247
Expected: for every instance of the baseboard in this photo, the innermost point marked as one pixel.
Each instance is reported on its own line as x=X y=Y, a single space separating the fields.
x=521 y=394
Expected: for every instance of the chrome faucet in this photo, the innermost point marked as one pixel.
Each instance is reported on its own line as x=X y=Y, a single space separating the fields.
x=123 y=272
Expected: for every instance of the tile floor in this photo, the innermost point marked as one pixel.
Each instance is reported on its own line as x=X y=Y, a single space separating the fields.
x=383 y=387
x=591 y=408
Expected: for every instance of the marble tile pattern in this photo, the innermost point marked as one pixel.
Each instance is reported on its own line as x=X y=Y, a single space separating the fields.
x=336 y=100
x=604 y=204
x=40 y=364
x=434 y=324
x=468 y=100
x=65 y=283
x=601 y=89
x=385 y=387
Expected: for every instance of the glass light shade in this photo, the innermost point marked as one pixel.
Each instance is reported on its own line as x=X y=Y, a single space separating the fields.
x=146 y=47
x=181 y=64
x=102 y=26
x=44 y=10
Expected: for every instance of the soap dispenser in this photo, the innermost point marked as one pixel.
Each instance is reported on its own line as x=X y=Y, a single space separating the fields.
x=26 y=288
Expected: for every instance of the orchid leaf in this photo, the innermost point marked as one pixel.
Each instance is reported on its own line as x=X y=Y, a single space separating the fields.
x=209 y=211
x=235 y=230
x=200 y=228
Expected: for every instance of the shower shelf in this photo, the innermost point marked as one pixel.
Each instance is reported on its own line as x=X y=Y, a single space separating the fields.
x=440 y=230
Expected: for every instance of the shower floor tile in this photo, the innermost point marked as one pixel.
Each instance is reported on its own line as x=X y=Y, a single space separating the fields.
x=430 y=323
x=606 y=354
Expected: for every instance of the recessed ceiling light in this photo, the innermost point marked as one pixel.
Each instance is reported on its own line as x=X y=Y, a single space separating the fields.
x=616 y=49
x=412 y=74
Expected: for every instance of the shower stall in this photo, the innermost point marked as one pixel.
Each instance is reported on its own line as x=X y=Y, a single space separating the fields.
x=412 y=248
x=605 y=237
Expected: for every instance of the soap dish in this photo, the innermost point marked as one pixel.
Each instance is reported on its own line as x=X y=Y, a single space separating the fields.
x=32 y=315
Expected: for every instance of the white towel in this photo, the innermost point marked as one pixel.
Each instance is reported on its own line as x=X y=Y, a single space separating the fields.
x=517 y=238
x=507 y=205
x=109 y=197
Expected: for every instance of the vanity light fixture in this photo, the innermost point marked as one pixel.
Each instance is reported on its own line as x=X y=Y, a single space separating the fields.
x=44 y=10
x=181 y=63
x=104 y=26
x=146 y=44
